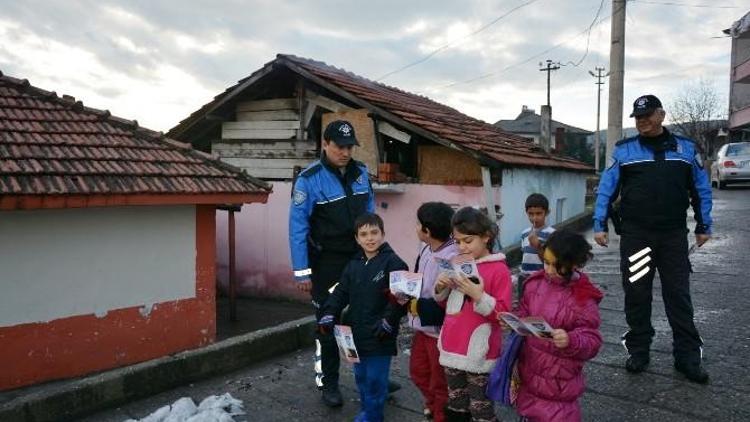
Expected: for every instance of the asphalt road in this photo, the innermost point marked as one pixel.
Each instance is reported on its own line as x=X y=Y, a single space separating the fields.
x=282 y=389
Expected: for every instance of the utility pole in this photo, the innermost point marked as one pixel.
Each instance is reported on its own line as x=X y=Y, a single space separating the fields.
x=617 y=72
x=546 y=124
x=598 y=75
x=550 y=67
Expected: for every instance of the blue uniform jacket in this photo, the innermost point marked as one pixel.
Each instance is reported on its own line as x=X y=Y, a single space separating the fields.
x=324 y=205
x=655 y=187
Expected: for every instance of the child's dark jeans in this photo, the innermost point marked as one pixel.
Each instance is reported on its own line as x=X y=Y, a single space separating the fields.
x=371 y=375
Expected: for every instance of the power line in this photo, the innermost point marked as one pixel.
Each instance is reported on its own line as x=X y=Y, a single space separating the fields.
x=446 y=46
x=588 y=38
x=669 y=3
x=507 y=68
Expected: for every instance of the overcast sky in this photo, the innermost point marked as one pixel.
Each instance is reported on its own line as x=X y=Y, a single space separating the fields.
x=158 y=61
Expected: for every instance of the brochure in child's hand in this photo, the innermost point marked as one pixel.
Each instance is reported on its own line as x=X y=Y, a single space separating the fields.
x=535 y=326
x=460 y=264
x=345 y=341
x=405 y=283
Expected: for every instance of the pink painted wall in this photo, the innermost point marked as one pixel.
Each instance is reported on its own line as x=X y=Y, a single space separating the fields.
x=262 y=250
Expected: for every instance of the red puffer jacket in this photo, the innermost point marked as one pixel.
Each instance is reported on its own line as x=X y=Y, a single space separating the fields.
x=552 y=378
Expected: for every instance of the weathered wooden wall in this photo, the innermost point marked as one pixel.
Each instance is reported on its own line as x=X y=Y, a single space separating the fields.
x=439 y=165
x=266 y=140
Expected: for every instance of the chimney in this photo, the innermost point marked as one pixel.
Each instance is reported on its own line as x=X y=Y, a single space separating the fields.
x=558 y=143
x=546 y=126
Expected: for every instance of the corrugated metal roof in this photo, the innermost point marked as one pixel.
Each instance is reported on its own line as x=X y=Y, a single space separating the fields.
x=52 y=145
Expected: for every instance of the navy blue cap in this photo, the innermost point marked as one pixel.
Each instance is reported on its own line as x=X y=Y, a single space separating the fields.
x=645 y=104
x=341 y=132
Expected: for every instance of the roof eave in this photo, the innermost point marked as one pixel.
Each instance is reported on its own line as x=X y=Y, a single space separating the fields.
x=29 y=202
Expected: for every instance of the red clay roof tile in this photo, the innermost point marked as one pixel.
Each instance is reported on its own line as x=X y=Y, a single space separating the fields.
x=442 y=122
x=56 y=146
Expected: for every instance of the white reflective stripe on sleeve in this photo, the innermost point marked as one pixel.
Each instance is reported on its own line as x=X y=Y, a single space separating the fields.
x=639 y=254
x=302 y=273
x=639 y=264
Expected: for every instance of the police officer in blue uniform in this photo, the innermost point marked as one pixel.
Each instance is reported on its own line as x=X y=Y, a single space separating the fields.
x=327 y=197
x=656 y=175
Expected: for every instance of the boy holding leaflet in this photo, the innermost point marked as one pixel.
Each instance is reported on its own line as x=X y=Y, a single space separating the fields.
x=374 y=324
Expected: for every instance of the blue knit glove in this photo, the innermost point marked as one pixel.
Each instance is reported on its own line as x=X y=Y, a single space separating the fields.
x=325 y=324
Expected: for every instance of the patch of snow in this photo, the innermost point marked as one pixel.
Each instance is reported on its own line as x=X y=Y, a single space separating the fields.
x=212 y=409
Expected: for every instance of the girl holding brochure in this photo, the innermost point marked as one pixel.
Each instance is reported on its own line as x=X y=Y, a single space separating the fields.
x=470 y=340
x=551 y=370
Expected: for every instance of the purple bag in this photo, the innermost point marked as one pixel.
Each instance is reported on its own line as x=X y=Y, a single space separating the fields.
x=503 y=383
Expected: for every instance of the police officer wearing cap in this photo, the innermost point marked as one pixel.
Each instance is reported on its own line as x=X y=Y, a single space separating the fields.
x=327 y=197
x=656 y=175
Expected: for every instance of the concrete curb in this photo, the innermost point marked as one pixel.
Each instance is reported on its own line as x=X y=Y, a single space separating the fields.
x=84 y=396
x=580 y=222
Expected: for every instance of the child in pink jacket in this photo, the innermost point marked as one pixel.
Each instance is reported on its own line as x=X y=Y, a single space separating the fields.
x=471 y=339
x=551 y=372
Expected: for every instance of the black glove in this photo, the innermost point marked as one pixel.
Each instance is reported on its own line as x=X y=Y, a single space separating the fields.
x=325 y=324
x=383 y=330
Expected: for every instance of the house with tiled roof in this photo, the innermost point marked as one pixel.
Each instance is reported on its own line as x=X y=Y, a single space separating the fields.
x=416 y=149
x=528 y=123
x=107 y=238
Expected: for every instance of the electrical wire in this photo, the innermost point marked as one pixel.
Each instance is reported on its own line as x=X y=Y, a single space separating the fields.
x=670 y=3
x=588 y=38
x=507 y=68
x=448 y=45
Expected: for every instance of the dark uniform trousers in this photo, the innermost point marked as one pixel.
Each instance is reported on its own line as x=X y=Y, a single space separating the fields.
x=326 y=271
x=642 y=253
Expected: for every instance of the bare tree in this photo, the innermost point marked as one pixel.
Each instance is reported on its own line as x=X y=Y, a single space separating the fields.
x=697 y=112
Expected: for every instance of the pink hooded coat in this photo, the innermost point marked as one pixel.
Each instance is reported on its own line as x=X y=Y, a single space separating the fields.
x=471 y=338
x=551 y=378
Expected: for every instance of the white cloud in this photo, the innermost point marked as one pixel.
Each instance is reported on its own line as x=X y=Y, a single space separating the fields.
x=157 y=103
x=159 y=61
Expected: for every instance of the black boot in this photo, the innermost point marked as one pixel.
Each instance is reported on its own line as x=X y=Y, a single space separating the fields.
x=637 y=362
x=332 y=396
x=453 y=416
x=692 y=371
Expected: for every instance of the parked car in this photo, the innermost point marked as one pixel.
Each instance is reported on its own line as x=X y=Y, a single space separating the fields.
x=732 y=165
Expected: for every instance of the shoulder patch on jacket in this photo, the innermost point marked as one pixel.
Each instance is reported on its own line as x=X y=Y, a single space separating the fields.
x=299 y=197
x=698 y=160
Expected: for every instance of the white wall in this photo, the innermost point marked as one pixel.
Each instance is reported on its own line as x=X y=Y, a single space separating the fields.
x=61 y=263
x=520 y=183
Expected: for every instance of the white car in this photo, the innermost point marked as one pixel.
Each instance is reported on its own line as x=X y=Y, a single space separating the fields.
x=732 y=165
